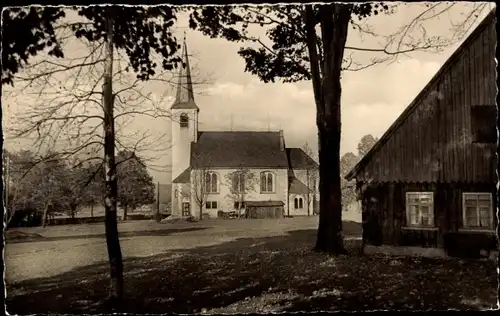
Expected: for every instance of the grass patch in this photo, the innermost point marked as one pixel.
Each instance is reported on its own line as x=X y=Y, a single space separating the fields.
x=268 y=274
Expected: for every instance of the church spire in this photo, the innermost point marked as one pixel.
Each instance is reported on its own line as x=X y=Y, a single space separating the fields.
x=184 y=98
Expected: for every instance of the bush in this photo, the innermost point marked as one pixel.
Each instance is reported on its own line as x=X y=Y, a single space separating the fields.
x=191 y=219
x=206 y=216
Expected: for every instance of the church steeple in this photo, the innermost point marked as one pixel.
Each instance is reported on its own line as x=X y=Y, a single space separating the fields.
x=184 y=98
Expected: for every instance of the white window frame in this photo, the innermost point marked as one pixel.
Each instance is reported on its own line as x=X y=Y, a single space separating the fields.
x=273 y=184
x=211 y=203
x=239 y=182
x=475 y=196
x=211 y=174
x=298 y=203
x=419 y=195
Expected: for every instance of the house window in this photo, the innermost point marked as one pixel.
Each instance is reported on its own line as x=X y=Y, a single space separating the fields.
x=420 y=209
x=477 y=210
x=483 y=124
x=299 y=203
x=210 y=182
x=239 y=205
x=266 y=182
x=239 y=182
x=186 y=209
x=176 y=193
x=184 y=120
x=211 y=205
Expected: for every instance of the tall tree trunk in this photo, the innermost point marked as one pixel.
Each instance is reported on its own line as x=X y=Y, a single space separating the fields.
x=92 y=210
x=111 y=225
x=334 y=21
x=45 y=215
x=125 y=209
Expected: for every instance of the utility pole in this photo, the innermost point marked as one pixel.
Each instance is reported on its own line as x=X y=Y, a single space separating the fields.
x=6 y=186
x=158 y=202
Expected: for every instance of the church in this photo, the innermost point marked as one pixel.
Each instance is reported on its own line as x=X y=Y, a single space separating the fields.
x=222 y=172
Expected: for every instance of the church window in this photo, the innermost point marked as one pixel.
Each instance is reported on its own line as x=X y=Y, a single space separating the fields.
x=184 y=120
x=239 y=182
x=299 y=203
x=211 y=182
x=267 y=182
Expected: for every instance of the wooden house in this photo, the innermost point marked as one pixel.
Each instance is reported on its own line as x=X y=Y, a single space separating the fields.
x=430 y=181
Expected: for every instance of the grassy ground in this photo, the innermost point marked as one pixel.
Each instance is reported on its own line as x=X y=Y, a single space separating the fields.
x=245 y=266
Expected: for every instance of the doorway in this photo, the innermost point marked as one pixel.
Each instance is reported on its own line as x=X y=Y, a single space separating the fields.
x=186 y=209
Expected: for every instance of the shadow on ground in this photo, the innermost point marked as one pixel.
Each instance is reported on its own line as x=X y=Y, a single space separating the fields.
x=262 y=275
x=21 y=237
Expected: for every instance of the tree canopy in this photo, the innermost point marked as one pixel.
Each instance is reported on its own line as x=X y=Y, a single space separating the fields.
x=365 y=144
x=138 y=32
x=135 y=185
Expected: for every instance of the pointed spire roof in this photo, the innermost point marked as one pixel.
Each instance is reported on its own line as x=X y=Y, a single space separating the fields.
x=184 y=98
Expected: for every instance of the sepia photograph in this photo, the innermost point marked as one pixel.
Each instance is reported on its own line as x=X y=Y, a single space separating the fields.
x=250 y=157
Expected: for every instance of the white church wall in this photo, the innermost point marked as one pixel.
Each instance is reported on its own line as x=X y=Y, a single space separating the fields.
x=292 y=211
x=223 y=196
x=181 y=140
x=302 y=175
x=180 y=194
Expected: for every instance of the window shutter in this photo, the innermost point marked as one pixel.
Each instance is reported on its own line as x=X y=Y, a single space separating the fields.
x=483 y=123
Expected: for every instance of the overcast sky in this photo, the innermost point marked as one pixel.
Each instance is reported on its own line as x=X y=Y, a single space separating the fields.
x=371 y=99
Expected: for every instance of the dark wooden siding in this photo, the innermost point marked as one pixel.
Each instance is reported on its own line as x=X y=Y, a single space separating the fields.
x=434 y=141
x=384 y=212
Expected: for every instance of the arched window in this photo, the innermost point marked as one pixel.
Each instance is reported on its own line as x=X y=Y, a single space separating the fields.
x=184 y=120
x=176 y=193
x=210 y=182
x=239 y=182
x=298 y=203
x=266 y=182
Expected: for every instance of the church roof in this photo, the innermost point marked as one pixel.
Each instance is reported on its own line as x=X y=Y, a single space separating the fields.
x=298 y=159
x=238 y=150
x=296 y=186
x=184 y=98
x=184 y=177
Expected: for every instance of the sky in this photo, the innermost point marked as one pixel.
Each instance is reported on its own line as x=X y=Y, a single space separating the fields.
x=231 y=99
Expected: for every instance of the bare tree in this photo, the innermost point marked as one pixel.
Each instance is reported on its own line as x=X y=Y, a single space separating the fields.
x=241 y=183
x=78 y=105
x=201 y=183
x=311 y=178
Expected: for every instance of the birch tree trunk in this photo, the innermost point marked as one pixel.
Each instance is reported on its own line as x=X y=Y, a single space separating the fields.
x=111 y=225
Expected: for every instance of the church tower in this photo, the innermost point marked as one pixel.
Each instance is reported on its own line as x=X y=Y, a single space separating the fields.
x=185 y=118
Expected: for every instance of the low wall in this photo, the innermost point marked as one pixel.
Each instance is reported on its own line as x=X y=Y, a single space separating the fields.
x=99 y=219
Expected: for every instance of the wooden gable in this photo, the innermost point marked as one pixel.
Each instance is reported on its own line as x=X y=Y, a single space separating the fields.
x=436 y=138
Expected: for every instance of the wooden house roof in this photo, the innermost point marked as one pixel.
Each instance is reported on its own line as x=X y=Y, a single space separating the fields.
x=424 y=93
